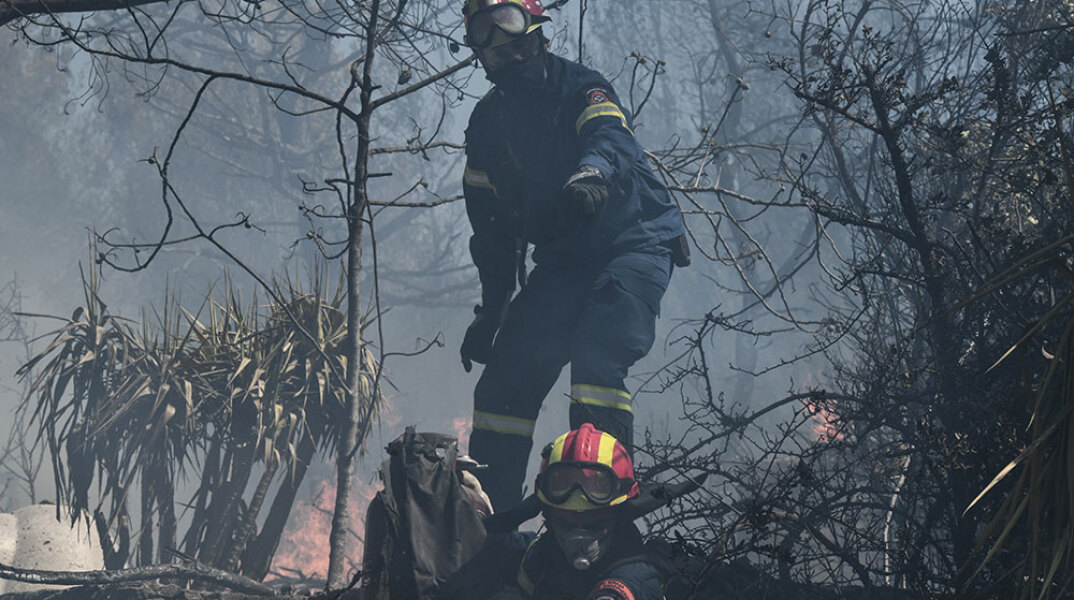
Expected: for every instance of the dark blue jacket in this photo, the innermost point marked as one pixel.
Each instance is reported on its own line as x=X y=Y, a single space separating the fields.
x=519 y=153
x=535 y=568
x=545 y=573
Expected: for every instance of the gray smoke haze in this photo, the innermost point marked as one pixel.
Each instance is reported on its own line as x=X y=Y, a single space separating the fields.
x=73 y=161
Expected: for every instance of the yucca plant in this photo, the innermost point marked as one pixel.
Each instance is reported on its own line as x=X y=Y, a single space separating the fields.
x=104 y=401
x=225 y=395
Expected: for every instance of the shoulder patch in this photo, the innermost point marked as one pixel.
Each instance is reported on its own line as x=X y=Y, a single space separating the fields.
x=597 y=95
x=612 y=589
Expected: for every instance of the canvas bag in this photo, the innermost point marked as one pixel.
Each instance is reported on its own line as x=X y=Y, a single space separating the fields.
x=429 y=525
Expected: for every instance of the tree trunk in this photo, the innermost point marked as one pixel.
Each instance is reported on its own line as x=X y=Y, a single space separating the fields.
x=258 y=556
x=348 y=442
x=249 y=520
x=145 y=537
x=209 y=479
x=166 y=508
x=222 y=511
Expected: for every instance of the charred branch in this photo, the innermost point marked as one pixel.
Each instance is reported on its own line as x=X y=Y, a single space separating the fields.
x=149 y=573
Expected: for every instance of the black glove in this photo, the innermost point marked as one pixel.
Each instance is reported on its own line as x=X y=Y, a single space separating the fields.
x=585 y=192
x=477 y=343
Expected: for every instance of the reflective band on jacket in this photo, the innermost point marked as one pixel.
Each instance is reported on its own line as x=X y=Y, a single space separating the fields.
x=600 y=396
x=478 y=179
x=524 y=580
x=504 y=424
x=604 y=109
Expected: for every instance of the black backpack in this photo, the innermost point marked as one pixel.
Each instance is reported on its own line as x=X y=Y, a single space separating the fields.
x=423 y=526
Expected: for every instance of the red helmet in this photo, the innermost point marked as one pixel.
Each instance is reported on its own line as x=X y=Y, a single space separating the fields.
x=585 y=469
x=493 y=22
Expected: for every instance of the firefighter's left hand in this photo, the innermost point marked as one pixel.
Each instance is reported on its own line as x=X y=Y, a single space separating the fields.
x=585 y=192
x=477 y=343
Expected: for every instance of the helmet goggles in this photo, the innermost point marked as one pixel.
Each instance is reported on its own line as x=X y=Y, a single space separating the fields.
x=516 y=51
x=509 y=19
x=599 y=483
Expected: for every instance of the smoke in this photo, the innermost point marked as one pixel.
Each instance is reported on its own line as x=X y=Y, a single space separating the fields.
x=74 y=163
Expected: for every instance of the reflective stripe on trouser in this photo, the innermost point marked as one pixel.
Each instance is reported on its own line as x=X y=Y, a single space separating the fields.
x=608 y=409
x=503 y=442
x=505 y=424
x=617 y=327
x=602 y=324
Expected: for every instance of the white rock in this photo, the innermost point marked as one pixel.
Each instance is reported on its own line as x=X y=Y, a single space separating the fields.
x=32 y=538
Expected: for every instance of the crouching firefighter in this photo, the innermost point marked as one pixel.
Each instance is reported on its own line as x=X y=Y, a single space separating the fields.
x=552 y=163
x=590 y=549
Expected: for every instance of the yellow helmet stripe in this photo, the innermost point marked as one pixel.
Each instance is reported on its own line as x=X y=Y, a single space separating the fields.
x=607 y=446
x=557 y=449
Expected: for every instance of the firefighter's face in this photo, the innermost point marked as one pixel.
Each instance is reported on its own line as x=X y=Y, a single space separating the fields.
x=601 y=522
x=517 y=51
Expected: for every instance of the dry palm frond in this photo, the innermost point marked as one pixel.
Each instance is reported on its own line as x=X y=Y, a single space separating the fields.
x=223 y=393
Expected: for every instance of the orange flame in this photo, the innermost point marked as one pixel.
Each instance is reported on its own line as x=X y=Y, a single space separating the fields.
x=826 y=425
x=304 y=549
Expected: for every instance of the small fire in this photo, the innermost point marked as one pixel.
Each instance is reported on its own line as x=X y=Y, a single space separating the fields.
x=304 y=549
x=826 y=424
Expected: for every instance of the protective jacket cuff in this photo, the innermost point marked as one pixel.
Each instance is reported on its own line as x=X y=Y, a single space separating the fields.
x=598 y=163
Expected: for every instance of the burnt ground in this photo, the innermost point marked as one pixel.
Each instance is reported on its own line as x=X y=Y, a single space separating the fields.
x=156 y=591
x=734 y=581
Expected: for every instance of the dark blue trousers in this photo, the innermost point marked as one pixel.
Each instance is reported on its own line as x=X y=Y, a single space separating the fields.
x=601 y=320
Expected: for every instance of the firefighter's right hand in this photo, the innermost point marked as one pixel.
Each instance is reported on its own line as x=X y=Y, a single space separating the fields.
x=585 y=192
x=477 y=343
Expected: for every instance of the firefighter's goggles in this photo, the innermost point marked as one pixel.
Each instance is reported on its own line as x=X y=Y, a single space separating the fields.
x=511 y=19
x=597 y=482
x=514 y=52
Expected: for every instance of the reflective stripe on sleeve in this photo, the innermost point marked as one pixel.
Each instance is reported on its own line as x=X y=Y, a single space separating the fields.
x=600 y=396
x=604 y=109
x=476 y=178
x=505 y=424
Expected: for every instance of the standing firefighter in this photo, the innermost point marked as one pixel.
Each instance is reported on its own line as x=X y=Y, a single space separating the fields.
x=552 y=161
